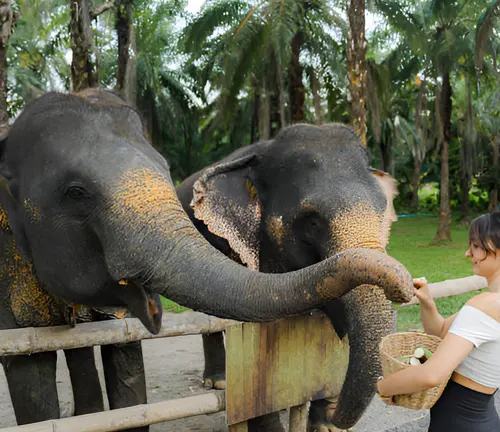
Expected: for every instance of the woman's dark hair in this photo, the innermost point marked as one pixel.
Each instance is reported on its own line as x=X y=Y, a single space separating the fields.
x=485 y=231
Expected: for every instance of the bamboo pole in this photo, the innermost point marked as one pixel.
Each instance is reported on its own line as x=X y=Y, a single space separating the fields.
x=136 y=416
x=39 y=339
x=453 y=287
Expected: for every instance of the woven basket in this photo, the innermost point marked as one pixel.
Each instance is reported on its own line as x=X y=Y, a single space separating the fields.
x=400 y=344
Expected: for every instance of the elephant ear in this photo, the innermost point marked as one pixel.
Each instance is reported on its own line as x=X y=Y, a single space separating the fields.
x=390 y=189
x=9 y=206
x=226 y=200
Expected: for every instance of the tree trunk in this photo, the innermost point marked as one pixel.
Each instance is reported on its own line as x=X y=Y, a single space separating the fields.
x=415 y=182
x=419 y=151
x=386 y=155
x=356 y=67
x=467 y=156
x=282 y=99
x=126 y=75
x=254 y=129
x=464 y=191
x=82 y=69
x=296 y=86
x=264 y=112
x=6 y=23
x=316 y=99
x=444 y=229
x=493 y=204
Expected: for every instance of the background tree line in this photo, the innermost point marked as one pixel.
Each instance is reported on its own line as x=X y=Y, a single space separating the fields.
x=421 y=87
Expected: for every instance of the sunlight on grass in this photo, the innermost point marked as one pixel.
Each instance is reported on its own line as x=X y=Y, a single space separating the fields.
x=411 y=244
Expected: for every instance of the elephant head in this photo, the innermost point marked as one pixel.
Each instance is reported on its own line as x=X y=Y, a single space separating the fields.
x=298 y=200
x=92 y=206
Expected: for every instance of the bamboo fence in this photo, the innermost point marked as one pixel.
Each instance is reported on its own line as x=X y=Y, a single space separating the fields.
x=32 y=340
x=136 y=416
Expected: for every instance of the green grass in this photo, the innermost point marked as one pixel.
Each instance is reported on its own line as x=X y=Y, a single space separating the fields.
x=170 y=306
x=411 y=244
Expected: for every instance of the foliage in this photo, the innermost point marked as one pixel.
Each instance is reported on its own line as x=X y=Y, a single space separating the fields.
x=203 y=79
x=36 y=51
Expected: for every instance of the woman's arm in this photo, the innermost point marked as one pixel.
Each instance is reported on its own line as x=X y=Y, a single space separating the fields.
x=449 y=354
x=433 y=322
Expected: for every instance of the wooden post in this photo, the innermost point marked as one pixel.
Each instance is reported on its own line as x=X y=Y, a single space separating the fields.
x=280 y=364
x=298 y=417
x=136 y=416
x=239 y=427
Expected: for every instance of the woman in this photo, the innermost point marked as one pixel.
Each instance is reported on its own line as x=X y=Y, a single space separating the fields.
x=470 y=349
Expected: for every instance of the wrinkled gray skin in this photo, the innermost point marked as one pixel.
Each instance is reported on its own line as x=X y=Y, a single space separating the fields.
x=288 y=203
x=91 y=218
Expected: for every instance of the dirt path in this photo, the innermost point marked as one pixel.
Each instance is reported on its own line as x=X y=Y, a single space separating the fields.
x=173 y=370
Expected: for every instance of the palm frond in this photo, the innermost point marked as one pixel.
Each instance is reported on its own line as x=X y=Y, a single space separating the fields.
x=222 y=14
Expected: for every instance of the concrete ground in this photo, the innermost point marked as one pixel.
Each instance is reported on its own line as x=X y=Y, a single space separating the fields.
x=173 y=370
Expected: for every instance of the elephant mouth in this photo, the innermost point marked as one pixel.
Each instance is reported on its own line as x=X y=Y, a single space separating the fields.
x=142 y=302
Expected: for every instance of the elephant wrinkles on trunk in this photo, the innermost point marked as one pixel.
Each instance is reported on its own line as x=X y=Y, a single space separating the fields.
x=93 y=213
x=289 y=203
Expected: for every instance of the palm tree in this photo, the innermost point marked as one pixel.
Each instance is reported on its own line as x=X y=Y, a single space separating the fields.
x=260 y=50
x=488 y=113
x=126 y=72
x=356 y=66
x=438 y=32
x=83 y=69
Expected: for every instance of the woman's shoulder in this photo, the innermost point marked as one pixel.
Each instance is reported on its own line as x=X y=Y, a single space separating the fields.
x=487 y=302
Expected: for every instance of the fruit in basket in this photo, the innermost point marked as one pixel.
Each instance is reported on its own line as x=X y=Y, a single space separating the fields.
x=423 y=354
x=414 y=361
x=419 y=356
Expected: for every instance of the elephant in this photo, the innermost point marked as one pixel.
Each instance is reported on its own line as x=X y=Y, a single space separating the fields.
x=287 y=203
x=90 y=216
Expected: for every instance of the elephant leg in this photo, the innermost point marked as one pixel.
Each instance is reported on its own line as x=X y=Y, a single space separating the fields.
x=87 y=391
x=32 y=386
x=320 y=415
x=266 y=423
x=366 y=316
x=124 y=375
x=214 y=375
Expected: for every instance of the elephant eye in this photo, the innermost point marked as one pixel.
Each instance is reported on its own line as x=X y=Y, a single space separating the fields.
x=77 y=192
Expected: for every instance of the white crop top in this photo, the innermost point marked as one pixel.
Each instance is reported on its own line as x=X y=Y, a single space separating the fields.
x=482 y=365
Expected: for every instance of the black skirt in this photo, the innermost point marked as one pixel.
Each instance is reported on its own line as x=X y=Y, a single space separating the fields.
x=460 y=409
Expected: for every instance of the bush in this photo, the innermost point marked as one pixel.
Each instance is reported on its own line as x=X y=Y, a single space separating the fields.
x=429 y=204
x=478 y=201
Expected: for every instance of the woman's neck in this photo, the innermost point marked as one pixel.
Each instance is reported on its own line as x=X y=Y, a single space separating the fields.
x=494 y=283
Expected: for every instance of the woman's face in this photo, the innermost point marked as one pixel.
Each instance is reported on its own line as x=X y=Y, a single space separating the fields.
x=483 y=264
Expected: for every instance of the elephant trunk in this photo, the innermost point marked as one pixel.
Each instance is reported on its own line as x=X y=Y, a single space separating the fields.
x=366 y=316
x=163 y=249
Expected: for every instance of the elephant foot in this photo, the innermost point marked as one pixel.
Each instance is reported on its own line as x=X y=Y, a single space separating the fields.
x=215 y=381
x=320 y=416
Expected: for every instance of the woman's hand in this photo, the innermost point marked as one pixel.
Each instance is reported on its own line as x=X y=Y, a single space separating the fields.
x=388 y=400
x=421 y=291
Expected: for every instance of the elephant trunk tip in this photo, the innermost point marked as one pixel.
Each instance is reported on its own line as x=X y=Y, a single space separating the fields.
x=367 y=266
